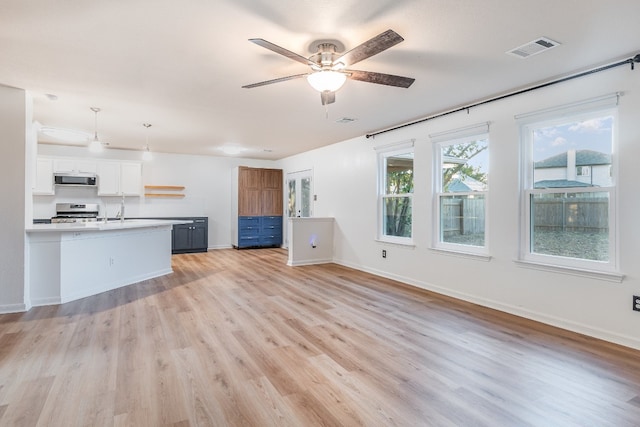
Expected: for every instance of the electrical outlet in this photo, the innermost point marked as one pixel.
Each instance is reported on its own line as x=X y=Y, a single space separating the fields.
x=384 y=253
x=636 y=303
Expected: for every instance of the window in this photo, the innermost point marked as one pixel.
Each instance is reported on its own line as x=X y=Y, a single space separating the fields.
x=395 y=191
x=569 y=187
x=583 y=171
x=461 y=184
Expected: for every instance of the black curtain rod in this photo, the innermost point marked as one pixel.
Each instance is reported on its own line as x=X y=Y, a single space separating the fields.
x=630 y=61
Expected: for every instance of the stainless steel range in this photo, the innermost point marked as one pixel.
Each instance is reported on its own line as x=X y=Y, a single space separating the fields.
x=76 y=212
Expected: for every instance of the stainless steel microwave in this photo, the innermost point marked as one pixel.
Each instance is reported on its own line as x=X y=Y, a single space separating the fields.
x=75 y=179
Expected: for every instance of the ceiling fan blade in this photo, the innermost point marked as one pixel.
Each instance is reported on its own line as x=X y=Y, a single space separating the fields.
x=371 y=47
x=278 y=80
x=380 y=78
x=282 y=51
x=327 y=97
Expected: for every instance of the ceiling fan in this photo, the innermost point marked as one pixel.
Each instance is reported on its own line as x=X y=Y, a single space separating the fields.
x=329 y=67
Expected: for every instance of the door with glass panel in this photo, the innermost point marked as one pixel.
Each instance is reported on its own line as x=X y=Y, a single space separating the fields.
x=299 y=195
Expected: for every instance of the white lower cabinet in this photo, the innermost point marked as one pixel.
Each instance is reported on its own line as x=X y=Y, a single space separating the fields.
x=66 y=265
x=117 y=178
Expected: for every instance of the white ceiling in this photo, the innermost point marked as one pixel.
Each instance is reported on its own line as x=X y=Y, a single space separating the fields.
x=180 y=65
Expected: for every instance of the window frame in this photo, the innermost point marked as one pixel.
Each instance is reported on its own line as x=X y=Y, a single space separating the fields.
x=383 y=153
x=591 y=109
x=468 y=134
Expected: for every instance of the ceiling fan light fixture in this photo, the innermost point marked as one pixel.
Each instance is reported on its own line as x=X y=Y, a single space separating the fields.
x=329 y=66
x=326 y=80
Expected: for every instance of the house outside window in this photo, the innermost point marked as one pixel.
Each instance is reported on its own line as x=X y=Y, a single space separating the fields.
x=568 y=187
x=583 y=170
x=395 y=189
x=461 y=172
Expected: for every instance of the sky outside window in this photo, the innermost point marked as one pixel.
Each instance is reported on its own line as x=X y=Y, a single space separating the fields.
x=593 y=134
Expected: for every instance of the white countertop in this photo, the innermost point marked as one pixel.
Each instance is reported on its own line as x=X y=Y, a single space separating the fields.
x=101 y=226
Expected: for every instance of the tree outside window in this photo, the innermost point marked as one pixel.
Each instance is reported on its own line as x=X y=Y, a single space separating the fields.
x=397 y=199
x=395 y=192
x=461 y=187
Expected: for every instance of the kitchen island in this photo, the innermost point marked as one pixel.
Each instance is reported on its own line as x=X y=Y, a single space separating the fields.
x=69 y=261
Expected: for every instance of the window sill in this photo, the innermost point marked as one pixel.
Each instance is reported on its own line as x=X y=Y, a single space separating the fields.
x=397 y=243
x=592 y=274
x=462 y=254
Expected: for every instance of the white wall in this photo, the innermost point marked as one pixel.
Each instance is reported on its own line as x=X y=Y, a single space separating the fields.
x=310 y=240
x=14 y=117
x=207 y=182
x=596 y=307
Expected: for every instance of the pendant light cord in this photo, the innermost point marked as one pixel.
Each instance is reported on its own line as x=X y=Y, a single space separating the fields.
x=147 y=125
x=96 y=110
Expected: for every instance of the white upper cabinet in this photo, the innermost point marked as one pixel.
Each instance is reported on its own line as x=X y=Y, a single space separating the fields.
x=114 y=177
x=117 y=178
x=131 y=179
x=43 y=183
x=108 y=179
x=71 y=165
x=86 y=166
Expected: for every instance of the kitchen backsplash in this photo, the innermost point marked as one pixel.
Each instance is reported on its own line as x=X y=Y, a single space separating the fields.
x=44 y=207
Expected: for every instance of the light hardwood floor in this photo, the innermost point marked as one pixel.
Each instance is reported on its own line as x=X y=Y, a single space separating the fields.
x=238 y=338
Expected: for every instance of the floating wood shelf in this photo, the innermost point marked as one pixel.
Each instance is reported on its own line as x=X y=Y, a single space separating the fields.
x=165 y=187
x=168 y=188
x=174 y=195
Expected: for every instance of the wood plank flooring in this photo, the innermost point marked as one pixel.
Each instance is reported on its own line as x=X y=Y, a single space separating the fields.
x=237 y=338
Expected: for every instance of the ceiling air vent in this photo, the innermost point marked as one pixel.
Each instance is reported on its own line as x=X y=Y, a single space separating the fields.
x=345 y=120
x=533 y=47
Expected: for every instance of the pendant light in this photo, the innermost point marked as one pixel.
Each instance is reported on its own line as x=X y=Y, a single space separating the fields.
x=95 y=146
x=146 y=154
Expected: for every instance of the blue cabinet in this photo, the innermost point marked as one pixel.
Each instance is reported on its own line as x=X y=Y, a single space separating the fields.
x=256 y=207
x=190 y=237
x=259 y=231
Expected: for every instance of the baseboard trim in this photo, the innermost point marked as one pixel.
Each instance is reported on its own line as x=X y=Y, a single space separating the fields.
x=308 y=262
x=558 y=322
x=12 y=308
x=39 y=302
x=114 y=285
x=213 y=248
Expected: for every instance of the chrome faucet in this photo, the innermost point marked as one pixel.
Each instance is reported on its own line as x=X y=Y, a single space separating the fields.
x=121 y=213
